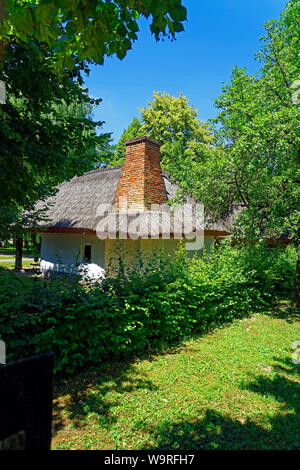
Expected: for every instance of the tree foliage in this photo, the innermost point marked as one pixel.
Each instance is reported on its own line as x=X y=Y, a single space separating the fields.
x=46 y=131
x=133 y=130
x=174 y=123
x=89 y=30
x=84 y=325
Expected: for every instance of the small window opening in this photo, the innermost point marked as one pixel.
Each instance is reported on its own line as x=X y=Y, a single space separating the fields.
x=87 y=253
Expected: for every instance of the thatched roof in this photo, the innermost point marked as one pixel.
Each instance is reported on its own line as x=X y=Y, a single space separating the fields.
x=74 y=206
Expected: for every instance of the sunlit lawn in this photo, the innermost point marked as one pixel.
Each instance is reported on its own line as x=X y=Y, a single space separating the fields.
x=234 y=389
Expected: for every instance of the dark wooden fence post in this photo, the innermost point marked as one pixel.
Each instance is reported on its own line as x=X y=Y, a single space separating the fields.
x=19 y=253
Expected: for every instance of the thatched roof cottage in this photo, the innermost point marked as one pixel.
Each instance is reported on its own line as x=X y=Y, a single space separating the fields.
x=92 y=216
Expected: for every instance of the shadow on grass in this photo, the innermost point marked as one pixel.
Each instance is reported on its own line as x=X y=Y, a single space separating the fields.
x=86 y=394
x=96 y=393
x=284 y=310
x=78 y=397
x=215 y=431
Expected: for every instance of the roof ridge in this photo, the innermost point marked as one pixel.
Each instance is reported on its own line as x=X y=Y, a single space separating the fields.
x=97 y=170
x=102 y=169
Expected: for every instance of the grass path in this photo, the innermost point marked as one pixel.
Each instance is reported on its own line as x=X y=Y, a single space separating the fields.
x=236 y=388
x=7 y=261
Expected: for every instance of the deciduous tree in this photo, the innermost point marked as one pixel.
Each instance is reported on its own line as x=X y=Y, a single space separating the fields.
x=174 y=123
x=257 y=162
x=133 y=130
x=47 y=134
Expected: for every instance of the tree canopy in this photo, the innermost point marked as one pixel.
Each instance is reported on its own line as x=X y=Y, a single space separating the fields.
x=133 y=130
x=47 y=134
x=168 y=119
x=174 y=123
x=89 y=30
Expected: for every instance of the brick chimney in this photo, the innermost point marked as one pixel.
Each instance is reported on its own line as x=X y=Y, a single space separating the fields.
x=141 y=180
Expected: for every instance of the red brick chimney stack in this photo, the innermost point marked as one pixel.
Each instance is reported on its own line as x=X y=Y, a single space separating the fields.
x=141 y=180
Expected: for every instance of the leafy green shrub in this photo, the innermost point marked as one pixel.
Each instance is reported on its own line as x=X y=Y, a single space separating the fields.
x=162 y=301
x=273 y=269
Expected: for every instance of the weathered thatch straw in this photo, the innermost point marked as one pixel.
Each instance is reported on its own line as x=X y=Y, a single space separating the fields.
x=74 y=206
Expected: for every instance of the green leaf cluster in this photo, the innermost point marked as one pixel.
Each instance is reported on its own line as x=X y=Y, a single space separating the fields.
x=256 y=164
x=133 y=130
x=174 y=122
x=153 y=304
x=47 y=134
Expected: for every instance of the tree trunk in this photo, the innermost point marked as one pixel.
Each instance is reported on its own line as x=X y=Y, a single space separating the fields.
x=19 y=253
x=297 y=284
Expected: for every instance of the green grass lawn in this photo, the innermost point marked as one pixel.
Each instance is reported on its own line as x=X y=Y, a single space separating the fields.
x=7 y=256
x=236 y=388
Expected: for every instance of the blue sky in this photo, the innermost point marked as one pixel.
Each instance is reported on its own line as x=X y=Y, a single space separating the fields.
x=218 y=35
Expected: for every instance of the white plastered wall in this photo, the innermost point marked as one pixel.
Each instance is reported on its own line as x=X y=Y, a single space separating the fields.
x=64 y=252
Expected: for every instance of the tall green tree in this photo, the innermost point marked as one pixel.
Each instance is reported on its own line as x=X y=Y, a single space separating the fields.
x=89 y=30
x=47 y=134
x=133 y=130
x=105 y=153
x=174 y=123
x=257 y=162
x=44 y=47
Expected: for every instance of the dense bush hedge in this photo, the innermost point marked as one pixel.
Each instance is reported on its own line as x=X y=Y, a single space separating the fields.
x=162 y=303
